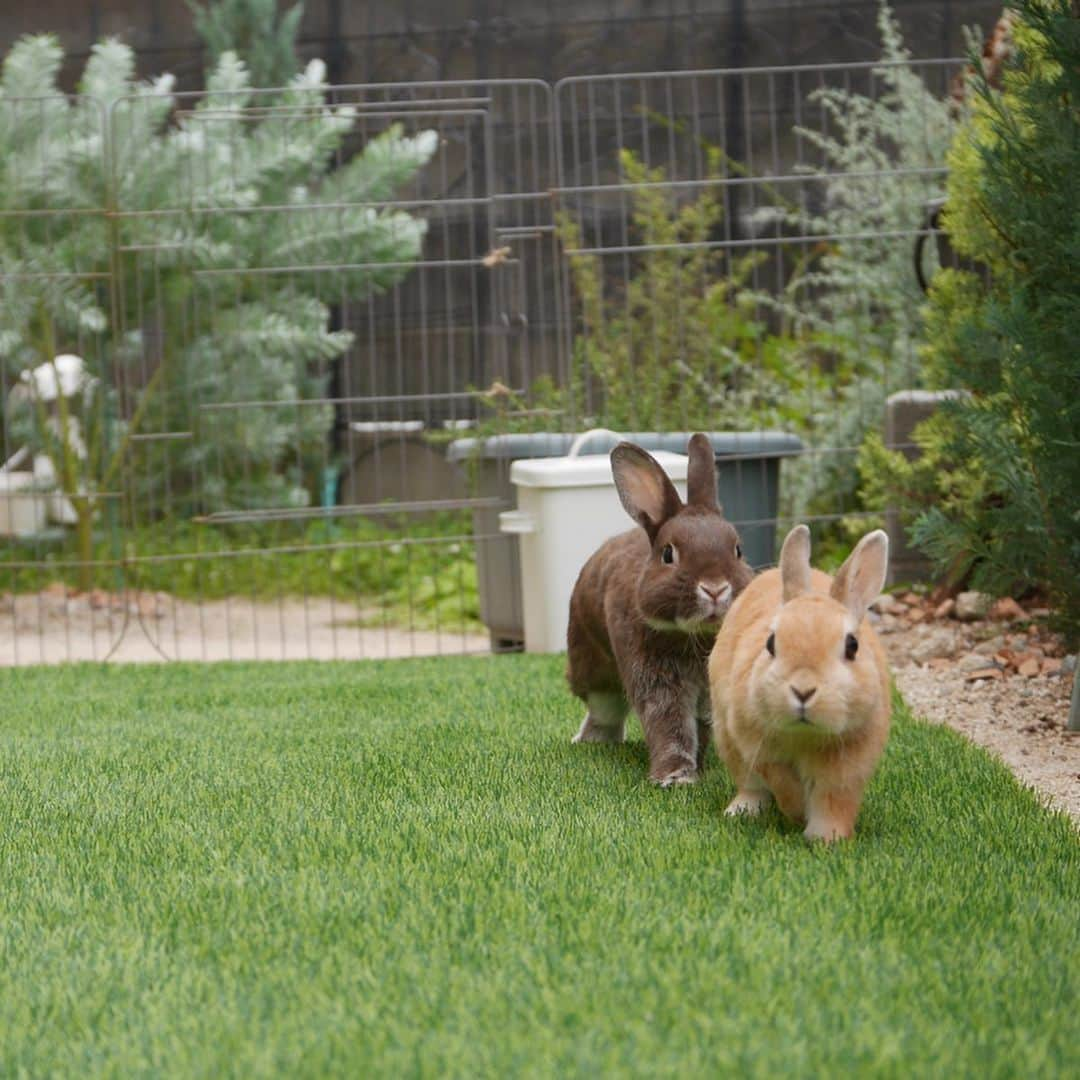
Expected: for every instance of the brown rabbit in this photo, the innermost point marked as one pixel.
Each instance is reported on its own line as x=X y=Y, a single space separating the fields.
x=800 y=688
x=646 y=608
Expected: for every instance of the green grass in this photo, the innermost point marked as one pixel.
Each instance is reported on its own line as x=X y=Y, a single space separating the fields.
x=406 y=868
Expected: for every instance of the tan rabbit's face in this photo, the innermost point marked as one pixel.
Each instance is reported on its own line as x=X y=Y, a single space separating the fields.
x=812 y=676
x=809 y=674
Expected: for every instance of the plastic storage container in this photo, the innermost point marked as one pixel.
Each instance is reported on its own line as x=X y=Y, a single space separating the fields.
x=747 y=480
x=566 y=508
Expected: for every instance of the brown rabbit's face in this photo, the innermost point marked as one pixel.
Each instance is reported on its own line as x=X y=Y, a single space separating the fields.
x=809 y=675
x=694 y=572
x=695 y=567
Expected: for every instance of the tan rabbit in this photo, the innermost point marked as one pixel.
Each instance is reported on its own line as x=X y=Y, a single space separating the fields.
x=800 y=688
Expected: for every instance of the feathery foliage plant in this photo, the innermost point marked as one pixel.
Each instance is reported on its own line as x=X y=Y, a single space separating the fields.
x=884 y=157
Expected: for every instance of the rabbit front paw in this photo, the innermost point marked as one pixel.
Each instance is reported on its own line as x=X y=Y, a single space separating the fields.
x=684 y=774
x=591 y=731
x=748 y=804
x=832 y=815
x=827 y=831
x=605 y=722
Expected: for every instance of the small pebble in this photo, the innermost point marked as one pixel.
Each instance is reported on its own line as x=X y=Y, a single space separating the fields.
x=1008 y=609
x=971 y=606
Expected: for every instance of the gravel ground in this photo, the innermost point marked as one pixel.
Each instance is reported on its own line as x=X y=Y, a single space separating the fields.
x=1021 y=719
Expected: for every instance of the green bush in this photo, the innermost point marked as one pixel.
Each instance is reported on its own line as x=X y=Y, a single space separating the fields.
x=677 y=344
x=1013 y=195
x=931 y=477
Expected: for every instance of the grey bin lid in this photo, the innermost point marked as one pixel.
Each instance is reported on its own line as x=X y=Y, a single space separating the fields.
x=749 y=444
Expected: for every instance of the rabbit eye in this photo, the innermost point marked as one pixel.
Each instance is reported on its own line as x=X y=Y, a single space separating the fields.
x=738 y=551
x=668 y=554
x=851 y=646
x=770 y=645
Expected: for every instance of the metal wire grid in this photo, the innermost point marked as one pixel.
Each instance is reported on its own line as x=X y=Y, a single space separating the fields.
x=55 y=247
x=422 y=353
x=752 y=140
x=488 y=307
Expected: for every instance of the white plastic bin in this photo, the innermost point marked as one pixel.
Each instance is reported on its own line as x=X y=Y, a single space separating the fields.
x=566 y=508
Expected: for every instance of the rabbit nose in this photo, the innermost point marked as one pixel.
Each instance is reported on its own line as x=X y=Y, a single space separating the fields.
x=714 y=591
x=804 y=695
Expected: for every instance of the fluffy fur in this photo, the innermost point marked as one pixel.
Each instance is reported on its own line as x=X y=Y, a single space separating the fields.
x=645 y=610
x=806 y=723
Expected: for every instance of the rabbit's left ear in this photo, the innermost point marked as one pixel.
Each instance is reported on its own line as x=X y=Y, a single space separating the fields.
x=701 y=473
x=862 y=577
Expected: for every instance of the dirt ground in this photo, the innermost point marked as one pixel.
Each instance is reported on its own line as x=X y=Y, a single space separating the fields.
x=51 y=627
x=1003 y=682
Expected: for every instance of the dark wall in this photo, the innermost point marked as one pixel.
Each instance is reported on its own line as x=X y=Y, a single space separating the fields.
x=464 y=39
x=441 y=332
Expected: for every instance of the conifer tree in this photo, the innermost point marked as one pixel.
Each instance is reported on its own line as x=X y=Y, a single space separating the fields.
x=190 y=320
x=1014 y=190
x=253 y=30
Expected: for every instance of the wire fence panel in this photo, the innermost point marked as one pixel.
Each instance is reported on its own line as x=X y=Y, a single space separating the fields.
x=339 y=318
x=59 y=515
x=740 y=248
x=298 y=332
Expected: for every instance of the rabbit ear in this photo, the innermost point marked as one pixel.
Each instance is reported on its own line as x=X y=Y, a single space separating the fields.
x=795 y=563
x=862 y=577
x=701 y=473
x=647 y=494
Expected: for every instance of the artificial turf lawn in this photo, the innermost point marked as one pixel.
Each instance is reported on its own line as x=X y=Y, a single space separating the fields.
x=406 y=868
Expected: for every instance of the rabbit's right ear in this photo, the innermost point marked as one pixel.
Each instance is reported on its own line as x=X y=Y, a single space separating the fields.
x=862 y=577
x=795 y=563
x=701 y=473
x=646 y=491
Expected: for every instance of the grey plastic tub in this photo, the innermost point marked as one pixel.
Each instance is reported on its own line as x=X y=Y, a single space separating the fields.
x=747 y=481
